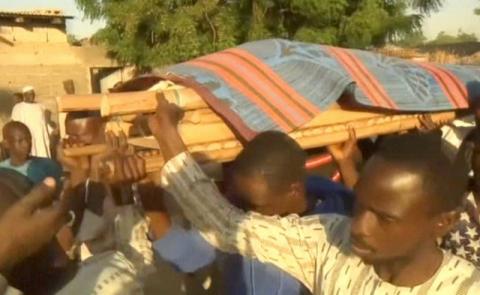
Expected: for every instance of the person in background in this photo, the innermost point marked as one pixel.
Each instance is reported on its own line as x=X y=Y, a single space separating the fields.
x=268 y=177
x=32 y=114
x=18 y=143
x=406 y=199
x=118 y=256
x=25 y=263
x=36 y=221
x=464 y=240
x=110 y=229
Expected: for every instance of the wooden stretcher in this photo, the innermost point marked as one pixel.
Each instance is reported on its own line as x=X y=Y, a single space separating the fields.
x=207 y=135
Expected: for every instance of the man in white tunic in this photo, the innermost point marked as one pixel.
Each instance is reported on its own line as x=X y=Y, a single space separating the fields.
x=32 y=114
x=407 y=197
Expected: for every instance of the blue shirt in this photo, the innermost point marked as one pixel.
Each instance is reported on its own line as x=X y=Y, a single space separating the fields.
x=36 y=169
x=187 y=251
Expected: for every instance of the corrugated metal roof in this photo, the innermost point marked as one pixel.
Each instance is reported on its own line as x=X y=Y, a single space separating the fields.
x=44 y=13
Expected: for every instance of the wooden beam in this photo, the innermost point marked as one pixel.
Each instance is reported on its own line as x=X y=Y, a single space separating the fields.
x=123 y=103
x=308 y=136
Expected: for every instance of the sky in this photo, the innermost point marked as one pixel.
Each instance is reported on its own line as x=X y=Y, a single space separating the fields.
x=454 y=15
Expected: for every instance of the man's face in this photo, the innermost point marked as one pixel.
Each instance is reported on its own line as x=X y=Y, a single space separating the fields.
x=29 y=96
x=83 y=131
x=19 y=144
x=392 y=217
x=251 y=192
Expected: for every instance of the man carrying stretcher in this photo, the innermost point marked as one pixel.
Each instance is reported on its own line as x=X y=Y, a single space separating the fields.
x=406 y=197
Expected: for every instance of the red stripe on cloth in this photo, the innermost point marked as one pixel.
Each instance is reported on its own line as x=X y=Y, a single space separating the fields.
x=444 y=82
x=218 y=105
x=356 y=75
x=307 y=106
x=239 y=85
x=382 y=93
x=318 y=161
x=261 y=85
x=459 y=84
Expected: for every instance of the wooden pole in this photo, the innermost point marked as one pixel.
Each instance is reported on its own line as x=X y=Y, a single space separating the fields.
x=146 y=102
x=307 y=137
x=72 y=103
x=124 y=103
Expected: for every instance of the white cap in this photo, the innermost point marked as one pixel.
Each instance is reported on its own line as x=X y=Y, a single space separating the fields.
x=27 y=89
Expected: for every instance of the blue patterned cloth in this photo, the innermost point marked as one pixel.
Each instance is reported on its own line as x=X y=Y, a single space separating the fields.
x=278 y=73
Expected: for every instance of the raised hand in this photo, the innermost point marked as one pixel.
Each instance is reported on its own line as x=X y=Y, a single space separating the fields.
x=128 y=169
x=30 y=224
x=163 y=126
x=344 y=151
x=167 y=114
x=78 y=167
x=343 y=154
x=427 y=124
x=116 y=146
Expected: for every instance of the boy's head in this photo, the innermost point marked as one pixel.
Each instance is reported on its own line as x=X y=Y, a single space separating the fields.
x=18 y=141
x=85 y=128
x=409 y=195
x=268 y=175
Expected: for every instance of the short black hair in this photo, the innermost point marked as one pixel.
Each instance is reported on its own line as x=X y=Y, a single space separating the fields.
x=14 y=125
x=444 y=180
x=83 y=115
x=276 y=156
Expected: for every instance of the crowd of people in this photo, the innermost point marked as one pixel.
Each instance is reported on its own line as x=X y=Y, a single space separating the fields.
x=405 y=220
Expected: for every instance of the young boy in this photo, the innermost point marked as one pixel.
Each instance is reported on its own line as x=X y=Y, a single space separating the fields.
x=18 y=143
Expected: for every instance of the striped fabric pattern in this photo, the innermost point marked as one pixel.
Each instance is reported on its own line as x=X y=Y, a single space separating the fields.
x=280 y=84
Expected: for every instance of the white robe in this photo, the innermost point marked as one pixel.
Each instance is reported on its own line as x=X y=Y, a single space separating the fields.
x=33 y=115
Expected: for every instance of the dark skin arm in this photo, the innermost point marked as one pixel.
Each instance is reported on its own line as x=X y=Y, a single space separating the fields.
x=130 y=169
x=78 y=167
x=120 y=170
x=343 y=154
x=164 y=128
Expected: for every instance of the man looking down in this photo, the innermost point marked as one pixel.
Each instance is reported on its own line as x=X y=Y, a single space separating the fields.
x=268 y=177
x=406 y=198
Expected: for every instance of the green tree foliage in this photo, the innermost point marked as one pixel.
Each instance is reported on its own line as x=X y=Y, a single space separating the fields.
x=157 y=32
x=413 y=40
x=444 y=38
